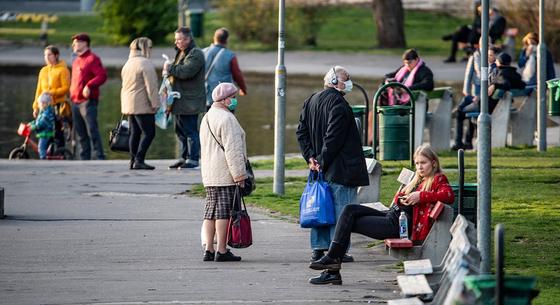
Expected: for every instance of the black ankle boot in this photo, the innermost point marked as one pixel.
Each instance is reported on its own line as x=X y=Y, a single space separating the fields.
x=327 y=277
x=326 y=262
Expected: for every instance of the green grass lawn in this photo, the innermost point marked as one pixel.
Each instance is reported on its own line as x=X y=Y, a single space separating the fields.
x=346 y=28
x=525 y=188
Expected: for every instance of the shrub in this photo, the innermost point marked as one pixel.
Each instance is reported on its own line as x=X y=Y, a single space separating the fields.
x=125 y=20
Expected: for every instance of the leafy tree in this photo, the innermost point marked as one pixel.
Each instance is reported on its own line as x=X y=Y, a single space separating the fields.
x=125 y=20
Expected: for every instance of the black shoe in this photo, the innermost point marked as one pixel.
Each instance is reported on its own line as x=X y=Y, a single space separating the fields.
x=317 y=254
x=209 y=256
x=142 y=165
x=227 y=257
x=457 y=146
x=347 y=258
x=176 y=164
x=447 y=37
x=131 y=164
x=189 y=165
x=325 y=262
x=468 y=146
x=450 y=60
x=327 y=277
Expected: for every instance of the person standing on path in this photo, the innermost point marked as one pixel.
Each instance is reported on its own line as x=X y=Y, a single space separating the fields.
x=330 y=142
x=186 y=74
x=223 y=169
x=140 y=100
x=221 y=66
x=88 y=75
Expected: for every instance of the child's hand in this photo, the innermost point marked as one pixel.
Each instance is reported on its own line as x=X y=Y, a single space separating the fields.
x=35 y=113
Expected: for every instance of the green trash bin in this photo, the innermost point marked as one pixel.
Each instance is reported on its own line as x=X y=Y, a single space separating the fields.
x=394 y=132
x=518 y=290
x=553 y=97
x=358 y=111
x=469 y=201
x=196 y=17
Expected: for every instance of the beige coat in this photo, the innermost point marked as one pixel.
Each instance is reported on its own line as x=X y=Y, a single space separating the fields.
x=139 y=93
x=219 y=167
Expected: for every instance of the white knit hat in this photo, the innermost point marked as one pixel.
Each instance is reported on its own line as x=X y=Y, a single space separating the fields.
x=223 y=91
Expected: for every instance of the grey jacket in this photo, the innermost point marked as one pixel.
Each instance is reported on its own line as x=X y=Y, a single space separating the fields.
x=187 y=77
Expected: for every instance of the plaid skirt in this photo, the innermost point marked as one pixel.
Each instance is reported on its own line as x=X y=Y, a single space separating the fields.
x=218 y=202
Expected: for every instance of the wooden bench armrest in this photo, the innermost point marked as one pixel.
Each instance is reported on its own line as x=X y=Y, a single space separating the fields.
x=436 y=210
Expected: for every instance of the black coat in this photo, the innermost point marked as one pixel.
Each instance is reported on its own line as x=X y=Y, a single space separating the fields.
x=327 y=132
x=507 y=78
x=423 y=80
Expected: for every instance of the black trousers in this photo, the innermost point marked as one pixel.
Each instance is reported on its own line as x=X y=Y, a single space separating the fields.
x=356 y=218
x=142 y=133
x=462 y=34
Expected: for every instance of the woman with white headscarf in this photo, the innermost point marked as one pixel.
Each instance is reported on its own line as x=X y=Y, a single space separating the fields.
x=140 y=100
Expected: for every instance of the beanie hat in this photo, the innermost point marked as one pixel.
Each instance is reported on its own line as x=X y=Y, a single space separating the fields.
x=504 y=59
x=223 y=91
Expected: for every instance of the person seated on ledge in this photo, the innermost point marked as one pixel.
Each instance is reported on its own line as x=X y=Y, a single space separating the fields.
x=428 y=186
x=527 y=60
x=506 y=78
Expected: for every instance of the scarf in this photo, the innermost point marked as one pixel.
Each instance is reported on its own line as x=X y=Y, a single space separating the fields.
x=405 y=98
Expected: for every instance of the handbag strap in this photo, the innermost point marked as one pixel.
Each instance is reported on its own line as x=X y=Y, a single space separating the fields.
x=213 y=136
x=214 y=59
x=238 y=193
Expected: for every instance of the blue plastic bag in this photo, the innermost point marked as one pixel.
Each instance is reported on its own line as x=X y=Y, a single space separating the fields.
x=316 y=206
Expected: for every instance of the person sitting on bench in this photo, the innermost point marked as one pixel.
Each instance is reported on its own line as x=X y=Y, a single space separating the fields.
x=428 y=186
x=506 y=78
x=527 y=61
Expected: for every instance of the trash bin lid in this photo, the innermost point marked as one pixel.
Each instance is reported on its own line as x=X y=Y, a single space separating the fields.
x=394 y=110
x=555 y=82
x=358 y=109
x=481 y=283
x=466 y=186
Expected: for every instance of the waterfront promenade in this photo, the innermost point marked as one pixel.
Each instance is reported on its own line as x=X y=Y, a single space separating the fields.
x=93 y=232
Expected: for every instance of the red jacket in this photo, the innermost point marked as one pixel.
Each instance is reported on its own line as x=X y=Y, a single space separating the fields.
x=87 y=70
x=441 y=191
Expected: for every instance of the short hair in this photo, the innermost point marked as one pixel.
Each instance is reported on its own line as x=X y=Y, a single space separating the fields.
x=410 y=54
x=221 y=35
x=185 y=31
x=82 y=37
x=333 y=73
x=53 y=50
x=495 y=49
x=504 y=59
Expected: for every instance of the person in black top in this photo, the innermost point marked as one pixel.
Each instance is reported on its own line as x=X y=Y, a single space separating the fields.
x=330 y=142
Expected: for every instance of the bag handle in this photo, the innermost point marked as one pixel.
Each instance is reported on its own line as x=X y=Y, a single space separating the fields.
x=236 y=195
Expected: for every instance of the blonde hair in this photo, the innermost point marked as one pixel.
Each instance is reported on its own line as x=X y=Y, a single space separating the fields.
x=427 y=152
x=141 y=45
x=530 y=37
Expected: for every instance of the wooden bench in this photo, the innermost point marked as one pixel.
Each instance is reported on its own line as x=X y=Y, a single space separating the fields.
x=434 y=113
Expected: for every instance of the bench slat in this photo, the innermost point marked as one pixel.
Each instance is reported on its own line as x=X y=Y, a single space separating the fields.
x=421 y=266
x=409 y=301
x=414 y=285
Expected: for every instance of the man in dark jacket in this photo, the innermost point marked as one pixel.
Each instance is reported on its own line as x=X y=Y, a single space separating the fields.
x=506 y=78
x=330 y=142
x=186 y=74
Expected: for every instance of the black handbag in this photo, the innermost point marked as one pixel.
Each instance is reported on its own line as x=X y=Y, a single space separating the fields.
x=250 y=183
x=118 y=137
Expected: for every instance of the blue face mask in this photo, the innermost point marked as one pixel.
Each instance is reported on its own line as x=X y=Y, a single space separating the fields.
x=233 y=104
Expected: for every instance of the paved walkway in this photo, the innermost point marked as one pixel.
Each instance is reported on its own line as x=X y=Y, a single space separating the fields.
x=93 y=232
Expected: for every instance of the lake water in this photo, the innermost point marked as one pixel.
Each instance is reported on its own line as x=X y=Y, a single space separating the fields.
x=255 y=112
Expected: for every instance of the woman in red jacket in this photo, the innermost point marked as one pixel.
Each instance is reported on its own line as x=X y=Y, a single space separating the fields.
x=416 y=199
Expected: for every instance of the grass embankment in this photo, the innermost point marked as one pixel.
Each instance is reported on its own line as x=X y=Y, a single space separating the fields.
x=525 y=188
x=346 y=28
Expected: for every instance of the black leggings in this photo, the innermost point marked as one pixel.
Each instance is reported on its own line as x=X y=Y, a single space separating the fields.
x=142 y=132
x=356 y=218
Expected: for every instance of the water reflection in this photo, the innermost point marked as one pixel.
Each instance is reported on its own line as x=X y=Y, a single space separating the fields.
x=255 y=113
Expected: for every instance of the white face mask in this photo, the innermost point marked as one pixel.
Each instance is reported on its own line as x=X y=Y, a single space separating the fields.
x=348 y=86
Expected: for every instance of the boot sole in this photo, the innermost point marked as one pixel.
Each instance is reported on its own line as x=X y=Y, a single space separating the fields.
x=330 y=267
x=333 y=282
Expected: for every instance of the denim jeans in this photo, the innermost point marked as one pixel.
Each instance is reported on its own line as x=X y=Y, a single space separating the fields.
x=43 y=146
x=142 y=133
x=84 y=116
x=321 y=237
x=186 y=129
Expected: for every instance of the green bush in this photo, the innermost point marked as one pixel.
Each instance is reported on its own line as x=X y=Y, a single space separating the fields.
x=125 y=20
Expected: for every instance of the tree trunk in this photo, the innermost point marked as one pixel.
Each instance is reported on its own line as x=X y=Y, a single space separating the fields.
x=389 y=17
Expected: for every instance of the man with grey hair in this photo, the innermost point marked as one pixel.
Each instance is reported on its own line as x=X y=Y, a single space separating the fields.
x=330 y=142
x=186 y=74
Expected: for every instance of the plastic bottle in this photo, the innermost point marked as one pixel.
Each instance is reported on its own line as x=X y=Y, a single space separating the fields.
x=403 y=226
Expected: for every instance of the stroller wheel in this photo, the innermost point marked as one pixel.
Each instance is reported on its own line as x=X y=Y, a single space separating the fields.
x=18 y=153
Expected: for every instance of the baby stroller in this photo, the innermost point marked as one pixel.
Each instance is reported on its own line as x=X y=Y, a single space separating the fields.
x=53 y=151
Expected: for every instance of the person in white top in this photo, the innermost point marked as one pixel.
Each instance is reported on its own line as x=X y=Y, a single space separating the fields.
x=222 y=165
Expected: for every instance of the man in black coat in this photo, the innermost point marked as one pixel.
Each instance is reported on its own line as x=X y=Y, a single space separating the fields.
x=330 y=142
